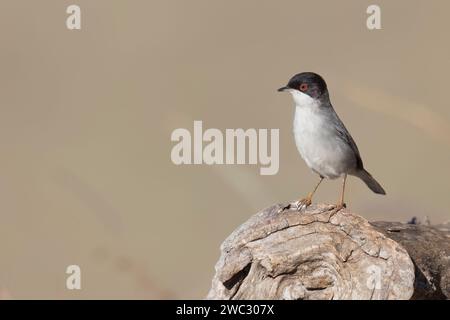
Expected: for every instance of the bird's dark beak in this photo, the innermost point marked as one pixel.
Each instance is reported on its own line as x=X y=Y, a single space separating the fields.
x=283 y=89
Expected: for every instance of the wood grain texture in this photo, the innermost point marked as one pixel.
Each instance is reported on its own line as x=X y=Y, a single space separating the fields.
x=320 y=254
x=429 y=248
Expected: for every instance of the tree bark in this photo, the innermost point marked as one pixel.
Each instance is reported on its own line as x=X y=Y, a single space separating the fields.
x=319 y=253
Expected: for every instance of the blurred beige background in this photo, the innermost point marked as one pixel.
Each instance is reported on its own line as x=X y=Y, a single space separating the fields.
x=86 y=118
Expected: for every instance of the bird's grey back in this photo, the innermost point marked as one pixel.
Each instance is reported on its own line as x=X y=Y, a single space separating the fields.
x=341 y=131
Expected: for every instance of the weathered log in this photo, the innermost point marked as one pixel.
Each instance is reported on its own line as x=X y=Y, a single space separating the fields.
x=319 y=253
x=429 y=249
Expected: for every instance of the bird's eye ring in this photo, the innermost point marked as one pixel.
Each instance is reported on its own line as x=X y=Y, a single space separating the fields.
x=303 y=87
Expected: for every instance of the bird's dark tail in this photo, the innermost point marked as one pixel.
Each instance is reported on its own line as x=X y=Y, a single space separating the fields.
x=370 y=181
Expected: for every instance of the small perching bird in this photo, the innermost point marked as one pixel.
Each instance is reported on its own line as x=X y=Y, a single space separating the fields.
x=322 y=139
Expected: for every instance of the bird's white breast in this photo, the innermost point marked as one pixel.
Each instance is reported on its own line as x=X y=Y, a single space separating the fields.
x=316 y=141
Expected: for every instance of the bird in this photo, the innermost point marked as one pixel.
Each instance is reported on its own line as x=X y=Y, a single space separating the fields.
x=322 y=139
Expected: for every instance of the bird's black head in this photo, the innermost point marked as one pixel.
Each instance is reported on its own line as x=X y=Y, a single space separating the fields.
x=308 y=83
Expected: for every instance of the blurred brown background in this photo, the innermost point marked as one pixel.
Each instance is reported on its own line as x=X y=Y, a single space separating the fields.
x=86 y=119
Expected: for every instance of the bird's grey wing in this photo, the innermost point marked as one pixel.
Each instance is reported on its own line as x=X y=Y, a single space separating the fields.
x=347 y=138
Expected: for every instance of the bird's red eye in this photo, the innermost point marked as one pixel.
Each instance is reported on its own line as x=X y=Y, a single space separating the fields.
x=303 y=87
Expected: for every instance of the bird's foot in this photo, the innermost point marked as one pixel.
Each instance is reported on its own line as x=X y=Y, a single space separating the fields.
x=299 y=205
x=338 y=207
x=303 y=203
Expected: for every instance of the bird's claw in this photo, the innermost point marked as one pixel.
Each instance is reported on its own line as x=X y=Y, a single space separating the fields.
x=336 y=208
x=299 y=205
x=340 y=206
x=303 y=203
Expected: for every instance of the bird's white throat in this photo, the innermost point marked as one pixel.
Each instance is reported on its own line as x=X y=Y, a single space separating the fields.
x=302 y=100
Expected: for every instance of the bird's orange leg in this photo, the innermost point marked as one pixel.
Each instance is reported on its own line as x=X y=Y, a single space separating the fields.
x=305 y=202
x=341 y=204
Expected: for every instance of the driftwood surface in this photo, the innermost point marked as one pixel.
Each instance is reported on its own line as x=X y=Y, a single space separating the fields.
x=319 y=253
